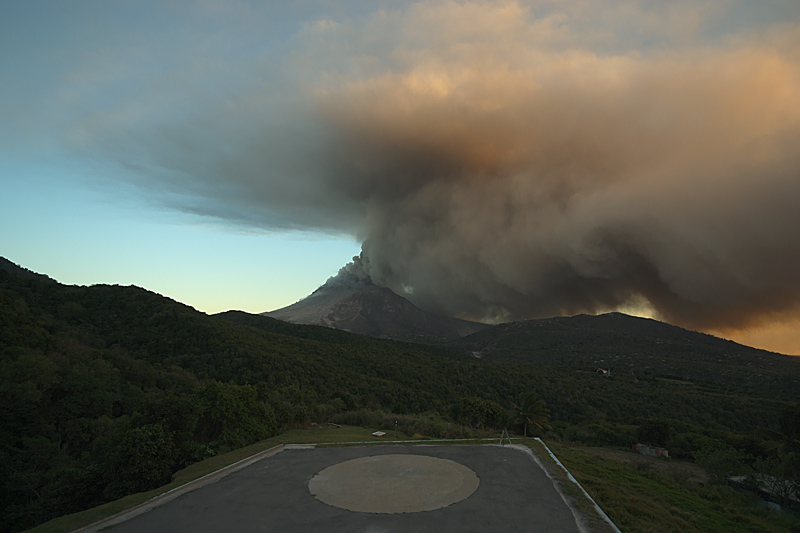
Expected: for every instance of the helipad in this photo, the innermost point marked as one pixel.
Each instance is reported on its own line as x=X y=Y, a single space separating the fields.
x=372 y=489
x=397 y=483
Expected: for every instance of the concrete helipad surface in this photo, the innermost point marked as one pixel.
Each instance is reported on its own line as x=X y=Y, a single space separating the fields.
x=275 y=494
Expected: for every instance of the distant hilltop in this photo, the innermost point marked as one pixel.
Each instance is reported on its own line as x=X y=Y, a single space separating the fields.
x=13 y=268
x=355 y=304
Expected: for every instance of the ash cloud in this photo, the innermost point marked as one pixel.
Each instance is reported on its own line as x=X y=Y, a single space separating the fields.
x=502 y=160
x=353 y=276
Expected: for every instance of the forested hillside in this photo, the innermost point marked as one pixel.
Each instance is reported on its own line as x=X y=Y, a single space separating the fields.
x=108 y=390
x=630 y=344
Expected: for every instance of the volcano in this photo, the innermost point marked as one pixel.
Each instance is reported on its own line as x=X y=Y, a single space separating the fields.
x=354 y=303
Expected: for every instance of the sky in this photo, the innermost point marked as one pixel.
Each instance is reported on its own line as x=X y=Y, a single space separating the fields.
x=489 y=160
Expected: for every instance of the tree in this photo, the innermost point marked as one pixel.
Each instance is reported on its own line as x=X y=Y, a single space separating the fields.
x=143 y=460
x=775 y=474
x=720 y=464
x=530 y=411
x=790 y=426
x=654 y=431
x=231 y=416
x=477 y=412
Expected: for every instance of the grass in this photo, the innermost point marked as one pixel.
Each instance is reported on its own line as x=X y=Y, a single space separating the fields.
x=649 y=501
x=577 y=499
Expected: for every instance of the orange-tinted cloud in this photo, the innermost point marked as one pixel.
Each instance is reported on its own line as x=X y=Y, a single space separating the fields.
x=518 y=180
x=505 y=160
x=778 y=334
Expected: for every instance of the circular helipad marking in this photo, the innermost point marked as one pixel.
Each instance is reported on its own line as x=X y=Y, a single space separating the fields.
x=393 y=484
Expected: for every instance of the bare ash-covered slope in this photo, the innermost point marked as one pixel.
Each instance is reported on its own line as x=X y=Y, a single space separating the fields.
x=353 y=303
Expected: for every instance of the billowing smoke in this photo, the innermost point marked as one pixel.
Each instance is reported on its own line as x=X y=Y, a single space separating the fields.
x=534 y=194
x=352 y=277
x=499 y=163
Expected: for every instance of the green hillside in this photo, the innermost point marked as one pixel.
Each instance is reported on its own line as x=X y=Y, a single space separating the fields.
x=109 y=390
x=636 y=345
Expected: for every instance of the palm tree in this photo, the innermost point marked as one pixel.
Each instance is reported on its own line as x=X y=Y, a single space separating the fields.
x=530 y=411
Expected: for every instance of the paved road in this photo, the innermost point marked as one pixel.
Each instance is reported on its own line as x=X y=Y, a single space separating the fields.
x=514 y=494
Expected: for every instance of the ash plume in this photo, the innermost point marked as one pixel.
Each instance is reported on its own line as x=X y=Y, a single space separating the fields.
x=506 y=160
x=351 y=277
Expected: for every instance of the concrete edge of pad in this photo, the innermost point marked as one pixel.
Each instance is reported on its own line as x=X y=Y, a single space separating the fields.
x=579 y=519
x=170 y=495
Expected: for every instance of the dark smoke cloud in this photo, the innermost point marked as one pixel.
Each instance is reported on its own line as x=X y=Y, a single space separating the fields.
x=502 y=164
x=577 y=183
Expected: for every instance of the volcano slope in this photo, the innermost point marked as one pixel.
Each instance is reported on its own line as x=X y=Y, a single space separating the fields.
x=359 y=306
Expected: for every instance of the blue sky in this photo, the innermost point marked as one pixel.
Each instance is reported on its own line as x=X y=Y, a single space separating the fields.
x=491 y=160
x=55 y=223
x=72 y=217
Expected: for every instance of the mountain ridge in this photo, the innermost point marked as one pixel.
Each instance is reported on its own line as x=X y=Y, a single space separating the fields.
x=627 y=343
x=22 y=272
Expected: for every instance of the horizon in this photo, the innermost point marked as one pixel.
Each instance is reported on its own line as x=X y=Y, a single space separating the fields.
x=487 y=160
x=332 y=277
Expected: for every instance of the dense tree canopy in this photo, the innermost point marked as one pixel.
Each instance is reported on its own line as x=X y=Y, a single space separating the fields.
x=108 y=390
